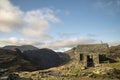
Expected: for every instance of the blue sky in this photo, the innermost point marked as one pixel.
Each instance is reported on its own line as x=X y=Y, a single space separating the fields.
x=59 y=24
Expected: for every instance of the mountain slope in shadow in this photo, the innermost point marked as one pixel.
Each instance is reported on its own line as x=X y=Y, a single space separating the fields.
x=44 y=58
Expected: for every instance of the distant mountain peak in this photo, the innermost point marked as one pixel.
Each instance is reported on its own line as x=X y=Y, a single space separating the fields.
x=22 y=48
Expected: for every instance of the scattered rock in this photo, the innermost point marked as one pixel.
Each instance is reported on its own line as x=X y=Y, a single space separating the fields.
x=107 y=72
x=102 y=70
x=5 y=75
x=83 y=68
x=16 y=77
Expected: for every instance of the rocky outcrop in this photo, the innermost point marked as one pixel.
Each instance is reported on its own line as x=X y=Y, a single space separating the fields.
x=71 y=53
x=115 y=49
x=8 y=58
x=114 y=53
x=13 y=61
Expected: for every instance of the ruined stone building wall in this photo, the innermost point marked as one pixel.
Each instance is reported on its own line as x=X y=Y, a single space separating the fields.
x=90 y=54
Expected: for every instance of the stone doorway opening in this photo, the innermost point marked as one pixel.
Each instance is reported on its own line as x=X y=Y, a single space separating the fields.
x=90 y=62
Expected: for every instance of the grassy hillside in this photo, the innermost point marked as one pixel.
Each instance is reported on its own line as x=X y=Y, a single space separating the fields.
x=70 y=72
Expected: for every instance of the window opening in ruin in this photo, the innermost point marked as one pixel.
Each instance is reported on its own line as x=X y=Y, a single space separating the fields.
x=102 y=58
x=81 y=57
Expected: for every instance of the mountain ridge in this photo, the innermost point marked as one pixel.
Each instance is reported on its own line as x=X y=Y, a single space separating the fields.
x=22 y=47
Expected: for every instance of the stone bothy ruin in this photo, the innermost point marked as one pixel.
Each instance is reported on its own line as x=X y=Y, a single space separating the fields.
x=91 y=54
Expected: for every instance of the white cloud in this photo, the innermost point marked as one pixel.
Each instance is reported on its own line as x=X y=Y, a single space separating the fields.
x=13 y=40
x=58 y=45
x=16 y=41
x=118 y=2
x=32 y=23
x=68 y=43
x=110 y=7
x=37 y=21
x=113 y=42
x=102 y=4
x=9 y=16
x=91 y=35
x=66 y=34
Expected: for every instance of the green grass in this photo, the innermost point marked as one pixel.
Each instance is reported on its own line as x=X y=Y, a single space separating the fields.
x=112 y=65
